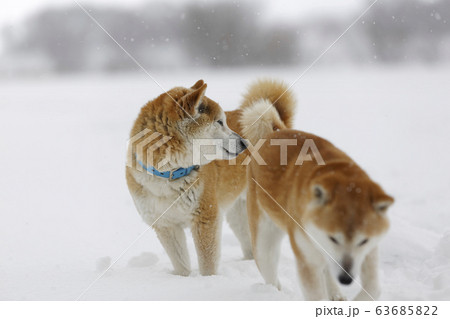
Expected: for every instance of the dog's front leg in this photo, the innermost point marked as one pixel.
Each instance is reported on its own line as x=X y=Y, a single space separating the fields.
x=311 y=275
x=173 y=240
x=312 y=281
x=334 y=293
x=369 y=278
x=206 y=227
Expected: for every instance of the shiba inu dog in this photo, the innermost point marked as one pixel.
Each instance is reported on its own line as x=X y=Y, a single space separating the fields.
x=177 y=181
x=332 y=212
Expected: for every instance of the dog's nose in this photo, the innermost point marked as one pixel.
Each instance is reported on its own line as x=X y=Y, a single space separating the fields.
x=243 y=144
x=345 y=279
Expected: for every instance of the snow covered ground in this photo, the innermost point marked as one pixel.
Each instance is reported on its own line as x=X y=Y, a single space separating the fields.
x=66 y=212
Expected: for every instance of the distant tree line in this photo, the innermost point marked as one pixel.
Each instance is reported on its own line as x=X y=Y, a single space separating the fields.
x=410 y=30
x=225 y=34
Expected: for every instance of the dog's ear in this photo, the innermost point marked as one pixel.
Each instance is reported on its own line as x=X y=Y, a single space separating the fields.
x=192 y=99
x=320 y=194
x=382 y=202
x=197 y=84
x=379 y=199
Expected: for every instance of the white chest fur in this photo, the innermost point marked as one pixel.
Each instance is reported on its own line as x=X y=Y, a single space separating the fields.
x=169 y=202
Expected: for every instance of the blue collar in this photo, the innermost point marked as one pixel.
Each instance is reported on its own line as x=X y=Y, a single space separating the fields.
x=171 y=175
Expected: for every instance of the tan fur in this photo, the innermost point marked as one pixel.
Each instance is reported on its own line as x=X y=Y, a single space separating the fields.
x=214 y=188
x=167 y=112
x=266 y=109
x=351 y=193
x=351 y=205
x=277 y=92
x=198 y=200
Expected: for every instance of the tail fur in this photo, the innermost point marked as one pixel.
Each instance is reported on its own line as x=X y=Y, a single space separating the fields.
x=268 y=106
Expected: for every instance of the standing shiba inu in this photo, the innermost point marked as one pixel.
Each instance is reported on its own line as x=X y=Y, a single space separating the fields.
x=184 y=192
x=178 y=193
x=333 y=213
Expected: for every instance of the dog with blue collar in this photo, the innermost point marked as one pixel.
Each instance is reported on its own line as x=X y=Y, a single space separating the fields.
x=171 y=200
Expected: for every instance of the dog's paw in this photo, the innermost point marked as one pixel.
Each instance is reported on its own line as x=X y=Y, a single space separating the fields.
x=275 y=284
x=338 y=298
x=184 y=273
x=365 y=296
x=248 y=255
x=278 y=285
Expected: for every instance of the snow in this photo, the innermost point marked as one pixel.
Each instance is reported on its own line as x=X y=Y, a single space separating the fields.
x=103 y=264
x=145 y=259
x=66 y=214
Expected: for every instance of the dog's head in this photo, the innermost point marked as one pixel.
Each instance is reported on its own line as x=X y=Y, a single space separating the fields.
x=195 y=124
x=348 y=218
x=205 y=127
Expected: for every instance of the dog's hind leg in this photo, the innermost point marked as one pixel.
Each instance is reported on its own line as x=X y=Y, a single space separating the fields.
x=238 y=221
x=267 y=249
x=173 y=240
x=266 y=239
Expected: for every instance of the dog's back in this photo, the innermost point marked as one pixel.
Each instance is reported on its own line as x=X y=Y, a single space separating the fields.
x=325 y=202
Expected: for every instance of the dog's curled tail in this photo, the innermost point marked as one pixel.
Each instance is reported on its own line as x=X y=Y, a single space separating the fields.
x=268 y=106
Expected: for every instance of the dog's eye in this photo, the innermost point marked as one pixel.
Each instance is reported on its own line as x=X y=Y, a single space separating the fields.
x=334 y=240
x=202 y=108
x=220 y=122
x=363 y=242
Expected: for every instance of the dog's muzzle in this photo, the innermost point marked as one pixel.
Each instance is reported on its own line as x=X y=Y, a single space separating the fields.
x=241 y=144
x=344 y=277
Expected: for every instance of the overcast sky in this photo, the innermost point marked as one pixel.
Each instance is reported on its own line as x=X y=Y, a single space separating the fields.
x=16 y=10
